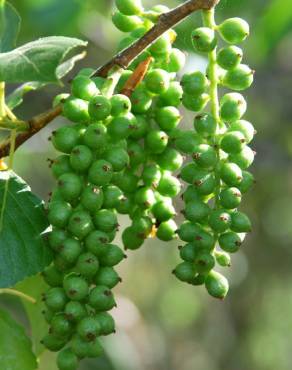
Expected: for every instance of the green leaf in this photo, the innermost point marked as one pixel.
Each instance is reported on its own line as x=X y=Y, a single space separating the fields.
x=9 y=27
x=16 y=97
x=23 y=250
x=37 y=60
x=34 y=286
x=15 y=346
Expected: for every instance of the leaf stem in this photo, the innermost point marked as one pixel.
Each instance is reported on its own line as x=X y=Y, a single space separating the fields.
x=2 y=100
x=111 y=82
x=14 y=125
x=18 y=294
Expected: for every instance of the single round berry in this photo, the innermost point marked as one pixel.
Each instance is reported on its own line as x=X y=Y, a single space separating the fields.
x=188 y=252
x=70 y=250
x=120 y=104
x=197 y=211
x=233 y=142
x=162 y=46
x=96 y=242
x=205 y=156
x=229 y=57
x=76 y=110
x=230 y=242
x=87 y=265
x=195 y=83
x=112 y=256
x=59 y=213
x=243 y=159
x=186 y=141
x=216 y=285
x=131 y=239
x=169 y=186
x=92 y=198
x=205 y=124
x=112 y=196
x=144 y=197
x=245 y=127
x=170 y=160
x=84 y=88
x=230 y=198
x=238 y=78
x=105 y=220
x=185 y=272
x=100 y=172
x=107 y=276
x=234 y=30
x=75 y=311
x=204 y=262
x=61 y=165
x=129 y=7
x=80 y=158
x=55 y=299
x=223 y=259
x=88 y=328
x=99 y=107
x=195 y=103
x=53 y=343
x=232 y=107
x=70 y=186
x=172 y=96
x=101 y=298
x=151 y=175
x=121 y=127
x=231 y=174
x=67 y=360
x=126 y=23
x=157 y=81
x=247 y=181
x=188 y=231
x=203 y=39
x=219 y=220
x=156 y=141
x=95 y=137
x=60 y=325
x=117 y=157
x=76 y=287
x=168 y=118
x=80 y=224
x=106 y=322
x=176 y=60
x=65 y=138
x=240 y=223
x=163 y=210
x=166 y=230
x=141 y=100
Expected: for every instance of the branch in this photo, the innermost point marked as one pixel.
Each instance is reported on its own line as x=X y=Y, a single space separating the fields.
x=122 y=59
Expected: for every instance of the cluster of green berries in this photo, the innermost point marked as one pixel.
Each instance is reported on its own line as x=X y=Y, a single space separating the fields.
x=126 y=155
x=217 y=176
x=150 y=182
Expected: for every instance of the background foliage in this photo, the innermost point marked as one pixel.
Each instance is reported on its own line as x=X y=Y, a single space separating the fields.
x=163 y=324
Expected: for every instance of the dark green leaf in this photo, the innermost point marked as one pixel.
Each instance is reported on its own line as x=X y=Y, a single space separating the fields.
x=9 y=27
x=23 y=250
x=16 y=97
x=37 y=60
x=15 y=346
x=34 y=286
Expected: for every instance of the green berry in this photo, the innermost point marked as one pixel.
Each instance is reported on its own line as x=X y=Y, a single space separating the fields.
x=204 y=262
x=162 y=46
x=87 y=265
x=141 y=128
x=188 y=252
x=131 y=239
x=52 y=276
x=120 y=104
x=70 y=250
x=188 y=231
x=172 y=96
x=84 y=88
x=76 y=287
x=204 y=181
x=230 y=242
x=60 y=99
x=176 y=60
x=80 y=158
x=230 y=198
x=195 y=83
x=233 y=142
x=112 y=196
x=216 y=285
x=185 y=271
x=151 y=175
x=111 y=256
x=141 y=100
x=144 y=197
x=245 y=127
x=219 y=220
x=88 y=328
x=70 y=186
x=195 y=103
x=136 y=153
x=223 y=259
x=56 y=238
x=205 y=124
x=105 y=220
x=205 y=156
x=101 y=298
x=129 y=7
x=65 y=138
x=166 y=230
x=240 y=223
x=75 y=311
x=203 y=39
x=67 y=360
x=121 y=127
x=106 y=322
x=204 y=240
x=96 y=242
x=238 y=78
x=229 y=57
x=231 y=174
x=127 y=182
x=61 y=165
x=243 y=159
x=100 y=172
x=186 y=141
x=95 y=137
x=157 y=81
x=55 y=299
x=246 y=182
x=99 y=107
x=232 y=107
x=188 y=171
x=59 y=213
x=60 y=326
x=197 y=211
x=53 y=343
x=234 y=30
x=156 y=141
x=92 y=198
x=124 y=22
x=79 y=346
x=76 y=110
x=163 y=210
x=168 y=118
x=170 y=160
x=107 y=276
x=118 y=158
x=169 y=186
x=80 y=224
x=94 y=349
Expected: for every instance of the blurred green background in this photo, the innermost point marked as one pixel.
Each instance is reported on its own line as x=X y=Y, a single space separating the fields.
x=163 y=324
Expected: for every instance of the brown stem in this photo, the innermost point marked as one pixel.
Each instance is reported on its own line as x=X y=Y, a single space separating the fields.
x=123 y=59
